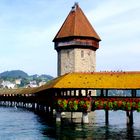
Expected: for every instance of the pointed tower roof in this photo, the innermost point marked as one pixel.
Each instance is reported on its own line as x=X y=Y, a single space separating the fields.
x=76 y=25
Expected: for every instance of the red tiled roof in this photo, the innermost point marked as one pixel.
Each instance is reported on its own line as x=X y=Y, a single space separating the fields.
x=76 y=25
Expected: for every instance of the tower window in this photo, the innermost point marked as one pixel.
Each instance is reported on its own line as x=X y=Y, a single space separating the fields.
x=82 y=54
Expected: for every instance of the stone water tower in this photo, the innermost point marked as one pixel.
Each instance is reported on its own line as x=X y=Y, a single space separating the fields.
x=76 y=43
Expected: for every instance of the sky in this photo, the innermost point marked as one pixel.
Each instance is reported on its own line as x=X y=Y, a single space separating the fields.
x=27 y=28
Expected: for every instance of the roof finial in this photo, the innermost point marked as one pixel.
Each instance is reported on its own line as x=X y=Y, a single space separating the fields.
x=75 y=6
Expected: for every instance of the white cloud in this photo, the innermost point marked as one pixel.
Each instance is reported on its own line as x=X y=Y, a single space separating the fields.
x=118 y=25
x=123 y=57
x=110 y=8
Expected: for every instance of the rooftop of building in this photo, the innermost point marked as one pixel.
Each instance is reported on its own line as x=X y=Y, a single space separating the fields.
x=98 y=80
x=94 y=80
x=76 y=25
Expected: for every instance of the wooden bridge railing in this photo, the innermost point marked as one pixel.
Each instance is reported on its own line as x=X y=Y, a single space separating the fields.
x=48 y=100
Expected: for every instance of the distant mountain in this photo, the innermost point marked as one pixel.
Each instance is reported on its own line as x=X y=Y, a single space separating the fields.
x=46 y=76
x=43 y=76
x=14 y=74
x=22 y=74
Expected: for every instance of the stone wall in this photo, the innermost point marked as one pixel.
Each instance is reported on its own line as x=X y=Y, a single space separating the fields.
x=65 y=61
x=76 y=60
x=84 y=60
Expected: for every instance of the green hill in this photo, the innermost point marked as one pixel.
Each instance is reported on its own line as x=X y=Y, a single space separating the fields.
x=13 y=74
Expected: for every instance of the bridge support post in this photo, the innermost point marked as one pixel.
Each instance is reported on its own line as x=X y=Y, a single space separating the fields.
x=106 y=111
x=58 y=116
x=129 y=116
x=85 y=118
x=106 y=117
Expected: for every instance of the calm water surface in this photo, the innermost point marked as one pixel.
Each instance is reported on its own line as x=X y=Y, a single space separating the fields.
x=20 y=124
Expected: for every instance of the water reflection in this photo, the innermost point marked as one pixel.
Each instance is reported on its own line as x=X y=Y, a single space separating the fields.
x=117 y=129
x=21 y=124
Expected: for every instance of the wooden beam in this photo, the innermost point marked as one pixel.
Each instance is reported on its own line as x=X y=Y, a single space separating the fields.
x=106 y=111
x=102 y=93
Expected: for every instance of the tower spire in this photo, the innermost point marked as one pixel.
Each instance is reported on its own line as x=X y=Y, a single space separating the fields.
x=76 y=24
x=74 y=6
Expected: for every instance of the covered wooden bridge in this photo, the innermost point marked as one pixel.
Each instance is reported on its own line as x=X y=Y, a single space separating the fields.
x=75 y=92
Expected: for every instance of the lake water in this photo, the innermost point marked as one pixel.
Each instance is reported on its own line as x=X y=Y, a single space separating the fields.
x=21 y=124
